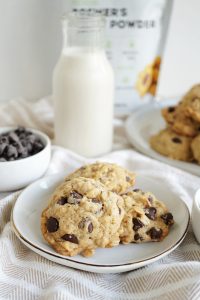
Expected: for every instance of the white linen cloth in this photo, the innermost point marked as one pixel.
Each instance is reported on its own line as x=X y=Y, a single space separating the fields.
x=25 y=275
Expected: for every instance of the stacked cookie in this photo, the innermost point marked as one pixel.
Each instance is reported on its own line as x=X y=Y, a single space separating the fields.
x=181 y=139
x=96 y=207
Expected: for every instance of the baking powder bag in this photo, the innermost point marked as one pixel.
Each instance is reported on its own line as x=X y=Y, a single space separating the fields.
x=136 y=31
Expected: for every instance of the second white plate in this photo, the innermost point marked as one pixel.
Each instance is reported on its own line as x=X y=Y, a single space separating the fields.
x=26 y=225
x=144 y=123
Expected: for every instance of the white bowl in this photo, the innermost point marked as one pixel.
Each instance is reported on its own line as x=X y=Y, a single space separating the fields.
x=19 y=173
x=196 y=215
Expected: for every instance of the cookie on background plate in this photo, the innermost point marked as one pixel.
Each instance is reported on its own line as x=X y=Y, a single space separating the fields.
x=190 y=103
x=195 y=145
x=146 y=218
x=179 y=122
x=115 y=178
x=82 y=215
x=169 y=143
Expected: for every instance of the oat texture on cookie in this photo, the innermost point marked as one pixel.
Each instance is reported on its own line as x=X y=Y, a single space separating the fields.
x=114 y=177
x=82 y=215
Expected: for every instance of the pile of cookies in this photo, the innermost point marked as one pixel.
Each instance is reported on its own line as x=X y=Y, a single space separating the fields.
x=181 y=138
x=97 y=207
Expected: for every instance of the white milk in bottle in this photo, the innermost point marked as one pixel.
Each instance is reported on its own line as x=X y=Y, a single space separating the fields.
x=83 y=88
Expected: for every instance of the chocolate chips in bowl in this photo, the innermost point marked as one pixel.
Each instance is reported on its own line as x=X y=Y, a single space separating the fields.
x=19 y=143
x=24 y=156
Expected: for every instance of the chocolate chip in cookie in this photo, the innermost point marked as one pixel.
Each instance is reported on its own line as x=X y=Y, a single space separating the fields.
x=70 y=238
x=137 y=224
x=176 y=140
x=155 y=233
x=52 y=224
x=136 y=190
x=74 y=198
x=96 y=201
x=82 y=223
x=171 y=109
x=168 y=218
x=138 y=237
x=150 y=212
x=62 y=201
x=90 y=227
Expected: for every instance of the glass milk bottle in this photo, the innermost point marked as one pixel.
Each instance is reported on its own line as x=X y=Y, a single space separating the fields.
x=83 y=88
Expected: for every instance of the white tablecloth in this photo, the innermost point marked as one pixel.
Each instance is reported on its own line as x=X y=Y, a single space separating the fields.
x=26 y=275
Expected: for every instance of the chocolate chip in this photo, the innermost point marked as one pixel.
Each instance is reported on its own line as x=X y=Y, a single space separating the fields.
x=28 y=132
x=167 y=218
x=2 y=148
x=31 y=138
x=82 y=223
x=74 y=198
x=29 y=147
x=62 y=201
x=2 y=159
x=70 y=238
x=94 y=200
x=137 y=224
x=19 y=130
x=176 y=140
x=171 y=109
x=22 y=136
x=13 y=137
x=11 y=159
x=37 y=147
x=11 y=151
x=128 y=179
x=136 y=190
x=155 y=233
x=76 y=195
x=3 y=139
x=24 y=153
x=52 y=224
x=23 y=142
x=90 y=227
x=16 y=144
x=20 y=148
x=119 y=210
x=150 y=212
x=138 y=237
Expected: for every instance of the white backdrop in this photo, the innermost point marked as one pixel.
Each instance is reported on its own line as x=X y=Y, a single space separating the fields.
x=181 y=64
x=23 y=19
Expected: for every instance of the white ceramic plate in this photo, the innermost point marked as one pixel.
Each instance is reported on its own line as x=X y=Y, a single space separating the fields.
x=147 y=121
x=26 y=224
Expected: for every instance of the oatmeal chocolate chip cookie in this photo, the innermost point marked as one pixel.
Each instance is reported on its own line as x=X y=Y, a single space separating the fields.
x=146 y=218
x=190 y=103
x=170 y=144
x=81 y=216
x=114 y=177
x=195 y=145
x=179 y=122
